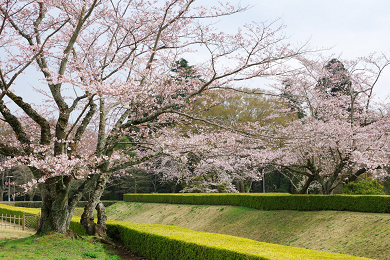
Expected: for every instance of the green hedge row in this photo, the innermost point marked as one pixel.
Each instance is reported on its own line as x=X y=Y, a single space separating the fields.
x=38 y=204
x=164 y=242
x=76 y=226
x=273 y=201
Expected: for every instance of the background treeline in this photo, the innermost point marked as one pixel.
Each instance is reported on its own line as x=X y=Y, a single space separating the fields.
x=142 y=181
x=240 y=108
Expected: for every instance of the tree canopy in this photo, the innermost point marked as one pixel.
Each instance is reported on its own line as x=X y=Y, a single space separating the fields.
x=107 y=70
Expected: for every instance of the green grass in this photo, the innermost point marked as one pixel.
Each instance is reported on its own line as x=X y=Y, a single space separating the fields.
x=54 y=246
x=353 y=233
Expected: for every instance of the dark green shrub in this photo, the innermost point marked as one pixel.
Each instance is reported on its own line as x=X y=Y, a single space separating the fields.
x=273 y=201
x=38 y=204
x=106 y=203
x=364 y=187
x=386 y=185
x=28 y=204
x=90 y=255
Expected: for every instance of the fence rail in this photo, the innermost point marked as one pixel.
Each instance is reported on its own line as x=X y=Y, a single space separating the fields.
x=19 y=222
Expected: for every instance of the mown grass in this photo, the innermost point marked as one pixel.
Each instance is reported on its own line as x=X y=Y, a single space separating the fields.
x=353 y=233
x=56 y=247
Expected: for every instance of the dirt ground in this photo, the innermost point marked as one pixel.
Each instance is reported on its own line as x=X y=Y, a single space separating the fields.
x=13 y=233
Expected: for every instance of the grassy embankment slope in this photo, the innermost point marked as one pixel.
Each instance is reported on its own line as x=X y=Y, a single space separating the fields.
x=353 y=233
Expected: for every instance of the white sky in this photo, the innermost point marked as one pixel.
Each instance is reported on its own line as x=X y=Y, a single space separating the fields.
x=352 y=28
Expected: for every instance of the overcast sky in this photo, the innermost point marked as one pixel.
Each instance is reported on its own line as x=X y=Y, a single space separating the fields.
x=352 y=28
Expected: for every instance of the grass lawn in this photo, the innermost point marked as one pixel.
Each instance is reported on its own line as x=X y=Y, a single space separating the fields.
x=59 y=247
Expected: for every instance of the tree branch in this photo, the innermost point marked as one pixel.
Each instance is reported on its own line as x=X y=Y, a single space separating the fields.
x=231 y=129
x=16 y=126
x=134 y=162
x=41 y=121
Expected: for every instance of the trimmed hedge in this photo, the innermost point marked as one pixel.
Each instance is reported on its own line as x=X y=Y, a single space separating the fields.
x=76 y=226
x=10 y=210
x=164 y=242
x=38 y=204
x=273 y=201
x=170 y=243
x=106 y=203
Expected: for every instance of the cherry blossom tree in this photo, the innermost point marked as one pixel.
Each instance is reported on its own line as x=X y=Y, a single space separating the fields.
x=222 y=161
x=209 y=161
x=345 y=132
x=106 y=71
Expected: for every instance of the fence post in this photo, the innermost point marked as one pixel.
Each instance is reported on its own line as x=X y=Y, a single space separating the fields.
x=24 y=220
x=39 y=220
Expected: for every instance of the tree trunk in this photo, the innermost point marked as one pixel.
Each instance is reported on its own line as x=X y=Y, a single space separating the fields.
x=249 y=186
x=87 y=219
x=31 y=194
x=354 y=177
x=56 y=213
x=102 y=217
x=327 y=188
x=2 y=186
x=305 y=187
x=240 y=186
x=326 y=191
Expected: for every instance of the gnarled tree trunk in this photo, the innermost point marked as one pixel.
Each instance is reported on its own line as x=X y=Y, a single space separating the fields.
x=56 y=212
x=87 y=219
